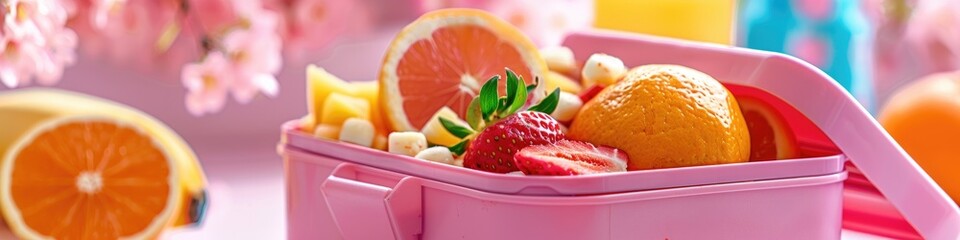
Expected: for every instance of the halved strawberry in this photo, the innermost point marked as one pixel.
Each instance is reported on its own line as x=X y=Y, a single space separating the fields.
x=494 y=148
x=497 y=131
x=591 y=92
x=569 y=157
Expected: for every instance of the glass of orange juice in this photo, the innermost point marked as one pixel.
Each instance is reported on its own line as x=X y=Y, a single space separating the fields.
x=699 y=20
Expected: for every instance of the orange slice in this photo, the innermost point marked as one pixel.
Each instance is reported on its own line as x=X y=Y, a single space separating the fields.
x=770 y=136
x=88 y=178
x=444 y=57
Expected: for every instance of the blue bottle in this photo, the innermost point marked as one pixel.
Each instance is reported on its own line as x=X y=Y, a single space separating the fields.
x=833 y=35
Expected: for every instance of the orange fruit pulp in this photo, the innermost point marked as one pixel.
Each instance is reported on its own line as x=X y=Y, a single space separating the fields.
x=88 y=179
x=924 y=118
x=444 y=57
x=770 y=136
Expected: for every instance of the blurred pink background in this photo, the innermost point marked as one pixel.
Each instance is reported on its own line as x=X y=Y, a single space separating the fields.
x=237 y=146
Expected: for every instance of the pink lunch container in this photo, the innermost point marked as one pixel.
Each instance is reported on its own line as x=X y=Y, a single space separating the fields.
x=342 y=191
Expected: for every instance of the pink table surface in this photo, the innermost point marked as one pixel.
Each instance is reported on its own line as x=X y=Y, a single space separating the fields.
x=236 y=146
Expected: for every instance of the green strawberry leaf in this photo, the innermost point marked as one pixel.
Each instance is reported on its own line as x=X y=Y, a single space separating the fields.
x=459 y=148
x=519 y=97
x=488 y=96
x=548 y=104
x=531 y=87
x=473 y=114
x=453 y=128
x=501 y=105
x=512 y=87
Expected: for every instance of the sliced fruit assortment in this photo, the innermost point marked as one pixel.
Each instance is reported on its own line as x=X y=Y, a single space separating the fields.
x=500 y=131
x=334 y=104
x=440 y=98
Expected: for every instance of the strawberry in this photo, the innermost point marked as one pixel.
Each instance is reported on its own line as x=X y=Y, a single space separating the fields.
x=498 y=131
x=493 y=149
x=591 y=92
x=569 y=157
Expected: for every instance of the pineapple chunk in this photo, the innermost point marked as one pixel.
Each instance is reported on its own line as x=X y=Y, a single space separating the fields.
x=338 y=108
x=370 y=91
x=435 y=132
x=326 y=131
x=307 y=123
x=559 y=59
x=380 y=142
x=556 y=80
x=321 y=84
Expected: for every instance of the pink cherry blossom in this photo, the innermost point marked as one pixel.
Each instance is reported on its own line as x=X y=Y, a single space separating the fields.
x=255 y=55
x=247 y=40
x=207 y=84
x=34 y=42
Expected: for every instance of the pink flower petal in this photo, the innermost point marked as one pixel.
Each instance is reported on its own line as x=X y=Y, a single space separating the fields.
x=267 y=84
x=9 y=76
x=207 y=83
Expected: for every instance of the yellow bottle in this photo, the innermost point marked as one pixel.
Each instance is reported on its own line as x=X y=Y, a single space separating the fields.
x=699 y=20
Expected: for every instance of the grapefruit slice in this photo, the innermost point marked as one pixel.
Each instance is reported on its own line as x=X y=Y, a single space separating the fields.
x=770 y=136
x=444 y=57
x=88 y=179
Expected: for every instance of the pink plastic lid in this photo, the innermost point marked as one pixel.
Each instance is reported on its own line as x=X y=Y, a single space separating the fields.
x=816 y=95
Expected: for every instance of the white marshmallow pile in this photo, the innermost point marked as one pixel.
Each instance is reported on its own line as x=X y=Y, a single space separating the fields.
x=559 y=59
x=406 y=143
x=357 y=131
x=437 y=154
x=568 y=107
x=602 y=69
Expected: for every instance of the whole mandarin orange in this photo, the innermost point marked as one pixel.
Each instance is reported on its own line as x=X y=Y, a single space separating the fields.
x=924 y=117
x=666 y=116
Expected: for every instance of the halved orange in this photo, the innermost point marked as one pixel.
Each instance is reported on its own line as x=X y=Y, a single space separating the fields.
x=442 y=59
x=770 y=136
x=88 y=178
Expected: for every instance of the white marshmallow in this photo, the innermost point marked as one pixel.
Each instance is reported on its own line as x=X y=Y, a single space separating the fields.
x=437 y=154
x=602 y=69
x=406 y=143
x=357 y=131
x=559 y=59
x=567 y=107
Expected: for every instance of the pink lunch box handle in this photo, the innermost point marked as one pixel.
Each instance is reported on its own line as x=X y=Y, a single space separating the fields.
x=368 y=203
